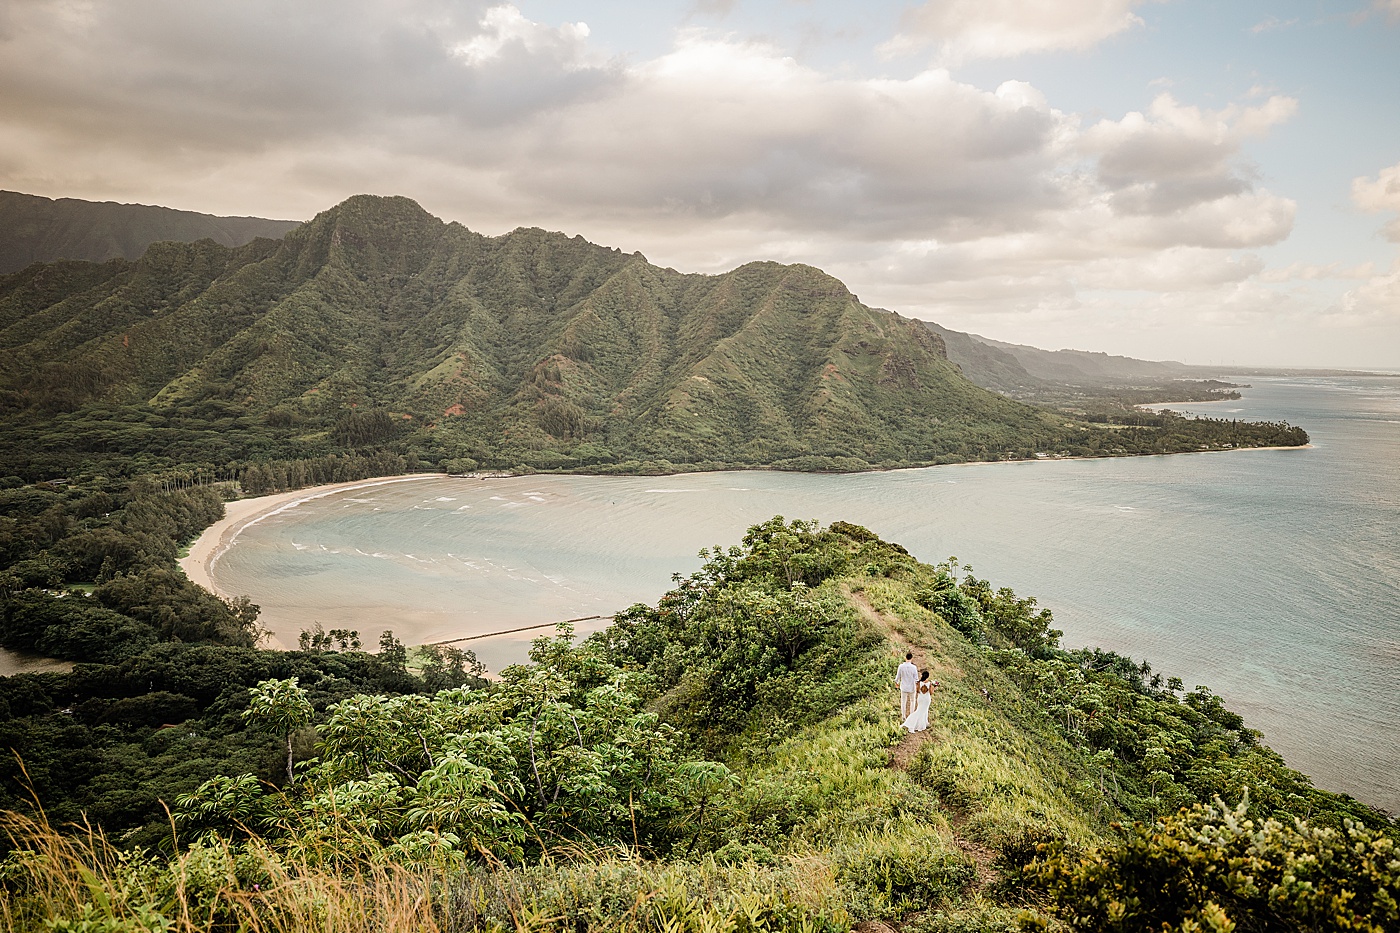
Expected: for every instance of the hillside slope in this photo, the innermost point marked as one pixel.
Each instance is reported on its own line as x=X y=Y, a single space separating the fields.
x=1009 y=367
x=377 y=323
x=729 y=759
x=36 y=229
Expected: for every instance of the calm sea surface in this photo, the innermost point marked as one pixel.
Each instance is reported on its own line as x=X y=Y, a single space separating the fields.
x=1272 y=576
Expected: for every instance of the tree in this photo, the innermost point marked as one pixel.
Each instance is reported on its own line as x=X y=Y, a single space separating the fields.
x=447 y=667
x=245 y=611
x=281 y=706
x=392 y=651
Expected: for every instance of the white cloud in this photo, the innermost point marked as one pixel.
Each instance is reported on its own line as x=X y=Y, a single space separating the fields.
x=1377 y=301
x=925 y=194
x=1308 y=272
x=1178 y=166
x=962 y=30
x=1380 y=194
x=504 y=27
x=1270 y=23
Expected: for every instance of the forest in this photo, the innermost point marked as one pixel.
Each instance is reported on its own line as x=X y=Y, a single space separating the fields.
x=728 y=758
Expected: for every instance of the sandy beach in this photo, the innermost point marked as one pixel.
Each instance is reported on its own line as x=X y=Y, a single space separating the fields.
x=239 y=514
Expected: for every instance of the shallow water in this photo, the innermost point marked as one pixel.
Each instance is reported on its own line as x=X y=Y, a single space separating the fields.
x=1273 y=576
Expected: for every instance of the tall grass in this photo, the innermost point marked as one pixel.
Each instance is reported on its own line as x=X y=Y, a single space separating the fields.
x=993 y=759
x=80 y=883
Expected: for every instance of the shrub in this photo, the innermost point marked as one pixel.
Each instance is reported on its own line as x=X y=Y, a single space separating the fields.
x=1210 y=868
x=889 y=874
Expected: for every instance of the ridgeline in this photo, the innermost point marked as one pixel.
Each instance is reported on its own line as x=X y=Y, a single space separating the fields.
x=727 y=759
x=377 y=327
x=35 y=229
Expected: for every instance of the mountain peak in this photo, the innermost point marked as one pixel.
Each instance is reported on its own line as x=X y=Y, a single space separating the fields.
x=370 y=233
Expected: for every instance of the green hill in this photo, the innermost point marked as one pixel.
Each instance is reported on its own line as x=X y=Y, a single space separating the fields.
x=729 y=759
x=376 y=325
x=35 y=229
x=1008 y=367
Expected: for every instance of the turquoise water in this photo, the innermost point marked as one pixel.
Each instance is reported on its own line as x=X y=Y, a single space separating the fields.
x=1273 y=576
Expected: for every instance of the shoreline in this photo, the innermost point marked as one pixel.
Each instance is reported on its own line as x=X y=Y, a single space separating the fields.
x=240 y=514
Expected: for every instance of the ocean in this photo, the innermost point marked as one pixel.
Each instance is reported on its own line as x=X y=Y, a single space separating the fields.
x=1271 y=576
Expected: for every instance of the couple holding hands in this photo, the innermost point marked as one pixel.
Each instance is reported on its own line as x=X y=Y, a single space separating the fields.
x=915 y=694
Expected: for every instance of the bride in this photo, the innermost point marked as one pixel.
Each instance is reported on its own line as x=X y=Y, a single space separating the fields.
x=923 y=696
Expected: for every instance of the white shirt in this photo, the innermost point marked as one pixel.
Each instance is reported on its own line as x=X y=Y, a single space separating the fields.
x=907 y=677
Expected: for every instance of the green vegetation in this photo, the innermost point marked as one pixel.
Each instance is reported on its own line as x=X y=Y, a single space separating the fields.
x=89 y=571
x=1213 y=868
x=376 y=331
x=726 y=759
x=35 y=229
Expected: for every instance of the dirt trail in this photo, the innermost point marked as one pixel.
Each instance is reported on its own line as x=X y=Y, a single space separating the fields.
x=902 y=754
x=909 y=746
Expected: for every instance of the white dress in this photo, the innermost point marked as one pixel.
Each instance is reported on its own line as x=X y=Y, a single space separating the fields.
x=918 y=720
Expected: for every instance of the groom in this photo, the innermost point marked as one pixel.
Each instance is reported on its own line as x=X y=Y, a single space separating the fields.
x=908 y=679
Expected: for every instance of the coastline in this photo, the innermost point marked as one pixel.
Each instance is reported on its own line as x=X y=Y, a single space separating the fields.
x=198 y=563
x=204 y=553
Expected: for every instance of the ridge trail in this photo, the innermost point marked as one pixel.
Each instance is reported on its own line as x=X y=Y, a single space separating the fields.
x=982 y=857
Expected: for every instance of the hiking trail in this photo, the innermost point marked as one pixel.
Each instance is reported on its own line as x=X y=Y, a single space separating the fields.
x=902 y=754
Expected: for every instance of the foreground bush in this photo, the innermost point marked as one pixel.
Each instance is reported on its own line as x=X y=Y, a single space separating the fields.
x=1210 y=869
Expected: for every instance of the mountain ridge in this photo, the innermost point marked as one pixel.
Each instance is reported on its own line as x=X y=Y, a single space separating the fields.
x=377 y=326
x=1014 y=368
x=40 y=229
x=532 y=341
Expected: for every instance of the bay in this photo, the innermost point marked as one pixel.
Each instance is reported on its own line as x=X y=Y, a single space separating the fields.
x=1272 y=576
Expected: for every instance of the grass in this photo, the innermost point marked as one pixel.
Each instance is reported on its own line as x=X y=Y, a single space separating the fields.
x=822 y=831
x=80 y=883
x=994 y=759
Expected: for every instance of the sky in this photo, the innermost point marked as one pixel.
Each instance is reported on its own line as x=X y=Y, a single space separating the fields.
x=1216 y=183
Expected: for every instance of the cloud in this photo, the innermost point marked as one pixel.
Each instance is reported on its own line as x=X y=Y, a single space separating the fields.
x=718 y=129
x=963 y=30
x=1271 y=23
x=926 y=194
x=504 y=30
x=1304 y=271
x=1376 y=301
x=1380 y=194
x=254 y=74
x=1180 y=163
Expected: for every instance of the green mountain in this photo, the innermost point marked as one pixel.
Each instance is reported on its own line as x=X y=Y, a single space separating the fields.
x=35 y=229
x=1013 y=367
x=376 y=323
